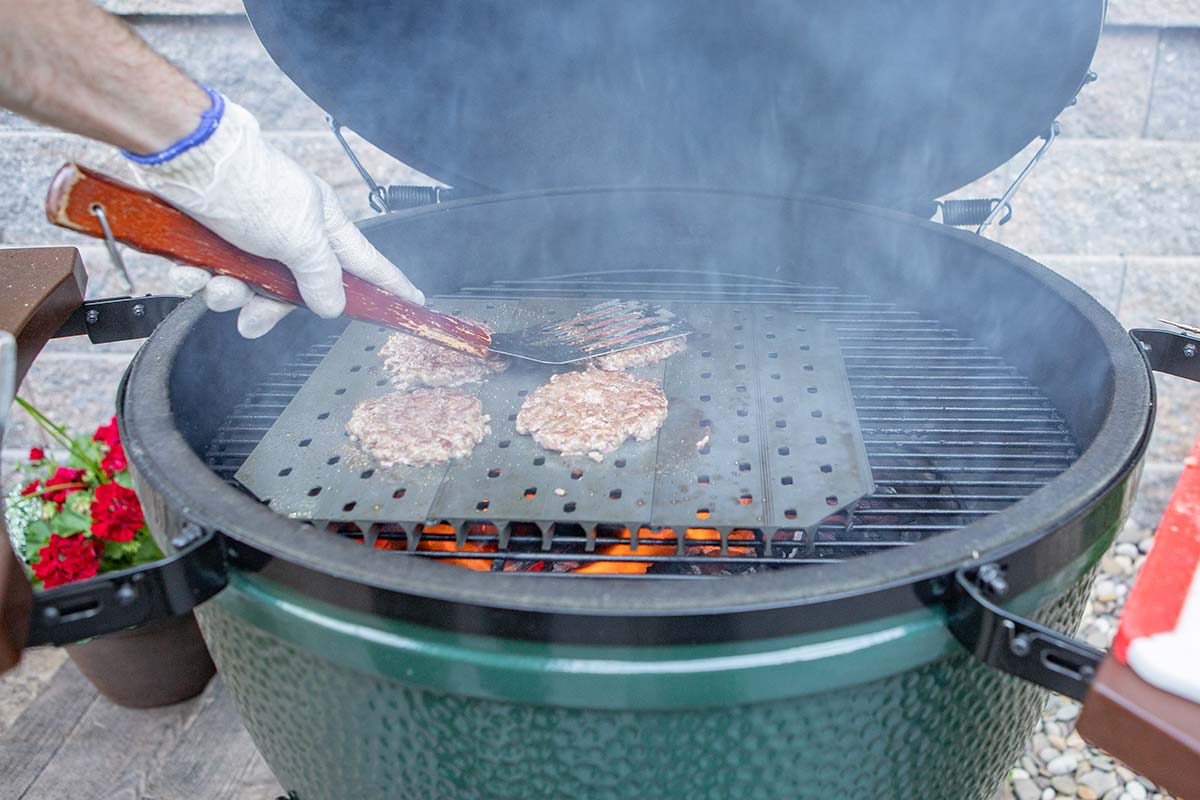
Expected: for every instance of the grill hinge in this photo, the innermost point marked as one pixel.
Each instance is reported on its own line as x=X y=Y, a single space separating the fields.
x=982 y=212
x=394 y=197
x=1012 y=644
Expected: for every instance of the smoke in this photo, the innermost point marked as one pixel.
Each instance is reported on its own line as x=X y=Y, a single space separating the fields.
x=889 y=104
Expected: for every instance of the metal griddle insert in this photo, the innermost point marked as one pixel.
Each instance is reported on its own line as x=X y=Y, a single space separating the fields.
x=766 y=384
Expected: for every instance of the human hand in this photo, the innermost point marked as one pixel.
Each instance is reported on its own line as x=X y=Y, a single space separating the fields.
x=244 y=189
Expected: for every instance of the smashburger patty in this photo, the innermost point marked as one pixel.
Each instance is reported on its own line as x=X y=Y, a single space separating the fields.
x=641 y=356
x=424 y=426
x=593 y=411
x=413 y=361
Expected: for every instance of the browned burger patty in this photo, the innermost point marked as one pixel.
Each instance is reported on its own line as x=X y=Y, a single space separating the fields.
x=424 y=426
x=592 y=412
x=641 y=356
x=413 y=361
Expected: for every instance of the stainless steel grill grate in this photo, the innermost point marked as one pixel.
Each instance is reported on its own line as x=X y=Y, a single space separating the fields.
x=952 y=434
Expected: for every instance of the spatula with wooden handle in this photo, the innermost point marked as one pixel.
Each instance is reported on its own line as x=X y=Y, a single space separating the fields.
x=150 y=224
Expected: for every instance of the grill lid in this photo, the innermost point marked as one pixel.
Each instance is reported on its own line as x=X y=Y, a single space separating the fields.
x=886 y=103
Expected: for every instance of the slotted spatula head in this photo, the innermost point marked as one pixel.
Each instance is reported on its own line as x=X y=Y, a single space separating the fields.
x=610 y=327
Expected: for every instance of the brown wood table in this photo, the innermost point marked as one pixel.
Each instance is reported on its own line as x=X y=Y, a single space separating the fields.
x=71 y=743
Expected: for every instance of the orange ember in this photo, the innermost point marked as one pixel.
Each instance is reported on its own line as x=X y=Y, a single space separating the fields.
x=450 y=546
x=664 y=542
x=640 y=567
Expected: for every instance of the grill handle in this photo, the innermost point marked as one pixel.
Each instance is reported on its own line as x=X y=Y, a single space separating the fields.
x=79 y=195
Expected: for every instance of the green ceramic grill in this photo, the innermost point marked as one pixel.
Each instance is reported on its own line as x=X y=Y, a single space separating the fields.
x=883 y=476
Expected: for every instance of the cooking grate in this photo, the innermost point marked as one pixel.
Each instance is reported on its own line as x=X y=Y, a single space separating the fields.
x=952 y=433
x=755 y=439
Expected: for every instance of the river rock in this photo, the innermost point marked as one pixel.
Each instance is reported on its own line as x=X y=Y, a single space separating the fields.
x=1099 y=781
x=1062 y=765
x=1026 y=789
x=1136 y=791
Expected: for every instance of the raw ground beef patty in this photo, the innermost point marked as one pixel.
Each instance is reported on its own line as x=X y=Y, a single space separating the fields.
x=592 y=412
x=413 y=361
x=641 y=356
x=424 y=426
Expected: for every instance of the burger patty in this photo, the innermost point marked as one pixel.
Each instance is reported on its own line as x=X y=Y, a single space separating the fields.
x=592 y=412
x=413 y=361
x=641 y=356
x=424 y=426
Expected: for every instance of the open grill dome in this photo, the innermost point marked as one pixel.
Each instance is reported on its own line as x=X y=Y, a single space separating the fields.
x=978 y=441
x=891 y=104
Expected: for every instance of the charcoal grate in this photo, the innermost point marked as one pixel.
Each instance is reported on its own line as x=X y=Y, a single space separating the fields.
x=761 y=436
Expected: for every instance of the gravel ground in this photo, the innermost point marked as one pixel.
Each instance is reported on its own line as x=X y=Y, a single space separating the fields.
x=1057 y=762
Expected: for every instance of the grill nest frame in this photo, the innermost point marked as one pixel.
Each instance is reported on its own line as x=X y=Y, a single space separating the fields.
x=1038 y=537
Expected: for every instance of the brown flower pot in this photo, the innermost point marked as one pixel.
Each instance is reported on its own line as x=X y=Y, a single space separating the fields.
x=156 y=665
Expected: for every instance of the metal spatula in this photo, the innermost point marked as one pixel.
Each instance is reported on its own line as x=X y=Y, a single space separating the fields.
x=606 y=328
x=84 y=200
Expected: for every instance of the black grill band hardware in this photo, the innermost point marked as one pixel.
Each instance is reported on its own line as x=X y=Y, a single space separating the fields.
x=390 y=198
x=1012 y=644
x=118 y=319
x=1172 y=352
x=115 y=601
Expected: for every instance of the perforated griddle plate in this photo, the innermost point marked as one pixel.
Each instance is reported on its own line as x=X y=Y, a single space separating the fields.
x=761 y=434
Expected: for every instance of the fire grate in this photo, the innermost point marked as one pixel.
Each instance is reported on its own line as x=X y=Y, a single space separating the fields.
x=952 y=432
x=761 y=436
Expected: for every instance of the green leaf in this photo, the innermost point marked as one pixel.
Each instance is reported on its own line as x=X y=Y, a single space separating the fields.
x=66 y=522
x=37 y=534
x=80 y=503
x=59 y=433
x=85 y=454
x=122 y=551
x=147 y=550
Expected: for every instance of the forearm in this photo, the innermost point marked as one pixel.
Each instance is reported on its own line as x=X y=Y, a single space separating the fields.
x=69 y=64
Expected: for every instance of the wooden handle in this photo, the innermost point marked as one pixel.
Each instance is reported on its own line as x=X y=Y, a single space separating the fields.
x=148 y=223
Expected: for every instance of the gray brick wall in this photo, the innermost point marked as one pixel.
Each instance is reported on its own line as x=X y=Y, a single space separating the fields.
x=1113 y=207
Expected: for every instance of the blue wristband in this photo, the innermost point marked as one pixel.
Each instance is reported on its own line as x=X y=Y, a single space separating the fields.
x=209 y=121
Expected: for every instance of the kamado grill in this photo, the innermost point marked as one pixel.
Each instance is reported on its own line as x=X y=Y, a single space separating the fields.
x=887 y=438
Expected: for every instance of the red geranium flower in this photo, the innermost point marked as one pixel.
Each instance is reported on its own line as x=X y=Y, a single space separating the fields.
x=66 y=559
x=36 y=454
x=108 y=434
x=116 y=513
x=31 y=488
x=61 y=477
x=114 y=461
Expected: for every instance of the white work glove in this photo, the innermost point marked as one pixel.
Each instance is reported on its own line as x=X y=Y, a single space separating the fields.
x=242 y=188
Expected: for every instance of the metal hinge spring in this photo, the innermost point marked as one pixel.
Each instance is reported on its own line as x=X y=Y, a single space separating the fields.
x=390 y=198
